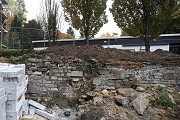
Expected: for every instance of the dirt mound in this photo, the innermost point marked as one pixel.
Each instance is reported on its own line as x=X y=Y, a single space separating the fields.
x=109 y=54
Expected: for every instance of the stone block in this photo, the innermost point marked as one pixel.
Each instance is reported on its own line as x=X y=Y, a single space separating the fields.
x=97 y=81
x=37 y=73
x=34 y=60
x=54 y=89
x=75 y=74
x=29 y=72
x=33 y=89
x=140 y=89
x=76 y=79
x=126 y=92
x=34 y=68
x=39 y=60
x=141 y=103
x=53 y=78
x=98 y=100
x=105 y=93
x=123 y=101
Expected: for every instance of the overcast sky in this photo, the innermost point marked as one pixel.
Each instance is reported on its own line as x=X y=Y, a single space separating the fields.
x=33 y=9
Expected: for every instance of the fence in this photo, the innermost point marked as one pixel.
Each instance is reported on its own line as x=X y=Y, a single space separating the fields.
x=21 y=38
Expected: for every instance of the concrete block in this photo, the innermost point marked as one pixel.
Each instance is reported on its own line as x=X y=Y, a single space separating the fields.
x=3 y=100
x=2 y=109
x=11 y=72
x=18 y=79
x=32 y=110
x=26 y=80
x=12 y=105
x=16 y=115
x=23 y=66
x=2 y=92
x=36 y=105
x=13 y=94
x=3 y=116
x=1 y=82
x=25 y=107
x=46 y=115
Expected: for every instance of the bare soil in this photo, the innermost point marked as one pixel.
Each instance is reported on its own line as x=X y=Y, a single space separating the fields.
x=109 y=55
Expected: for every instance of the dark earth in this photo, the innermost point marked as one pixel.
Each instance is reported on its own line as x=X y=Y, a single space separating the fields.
x=111 y=54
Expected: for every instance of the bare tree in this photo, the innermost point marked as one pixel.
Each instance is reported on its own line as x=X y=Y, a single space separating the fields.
x=51 y=18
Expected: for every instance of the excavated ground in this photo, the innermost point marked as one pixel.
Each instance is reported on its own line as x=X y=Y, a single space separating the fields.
x=109 y=55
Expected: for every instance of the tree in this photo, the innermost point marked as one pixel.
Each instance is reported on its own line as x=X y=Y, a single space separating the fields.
x=105 y=35
x=21 y=10
x=143 y=18
x=50 y=18
x=15 y=33
x=173 y=24
x=87 y=16
x=15 y=19
x=32 y=30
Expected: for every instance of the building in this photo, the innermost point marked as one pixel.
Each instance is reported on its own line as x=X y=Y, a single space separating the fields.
x=167 y=42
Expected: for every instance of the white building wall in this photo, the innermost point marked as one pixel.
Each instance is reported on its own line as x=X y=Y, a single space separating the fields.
x=138 y=48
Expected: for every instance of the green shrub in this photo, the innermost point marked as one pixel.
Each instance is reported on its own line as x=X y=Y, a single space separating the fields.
x=162 y=99
x=13 y=52
x=8 y=53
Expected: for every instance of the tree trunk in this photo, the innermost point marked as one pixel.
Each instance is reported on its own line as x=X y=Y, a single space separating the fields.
x=147 y=44
x=146 y=35
x=87 y=38
x=145 y=25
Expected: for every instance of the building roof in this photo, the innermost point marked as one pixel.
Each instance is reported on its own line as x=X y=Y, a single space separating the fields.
x=165 y=39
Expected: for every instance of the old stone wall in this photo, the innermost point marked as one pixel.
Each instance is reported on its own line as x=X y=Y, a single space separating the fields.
x=49 y=74
x=115 y=77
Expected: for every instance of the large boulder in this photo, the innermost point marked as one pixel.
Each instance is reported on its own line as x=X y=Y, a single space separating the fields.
x=123 y=101
x=141 y=103
x=126 y=92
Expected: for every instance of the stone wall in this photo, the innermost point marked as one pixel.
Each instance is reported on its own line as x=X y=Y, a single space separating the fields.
x=115 y=77
x=49 y=74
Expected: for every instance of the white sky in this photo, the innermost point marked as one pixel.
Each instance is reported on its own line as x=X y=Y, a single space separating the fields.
x=33 y=9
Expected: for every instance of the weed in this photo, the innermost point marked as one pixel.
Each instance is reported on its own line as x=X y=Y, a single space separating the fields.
x=162 y=99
